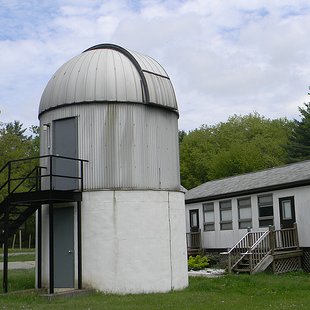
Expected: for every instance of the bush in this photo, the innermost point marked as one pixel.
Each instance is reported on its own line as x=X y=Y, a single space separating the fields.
x=198 y=262
x=215 y=260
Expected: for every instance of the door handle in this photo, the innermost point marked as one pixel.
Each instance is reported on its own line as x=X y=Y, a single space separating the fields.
x=70 y=252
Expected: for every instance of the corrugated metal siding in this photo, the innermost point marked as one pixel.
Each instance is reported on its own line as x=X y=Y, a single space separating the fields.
x=149 y=64
x=98 y=75
x=161 y=90
x=107 y=75
x=127 y=145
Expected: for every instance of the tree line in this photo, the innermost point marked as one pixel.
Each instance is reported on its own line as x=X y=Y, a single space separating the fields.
x=239 y=145
x=242 y=144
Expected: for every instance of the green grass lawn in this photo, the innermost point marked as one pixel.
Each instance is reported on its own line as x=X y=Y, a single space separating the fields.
x=261 y=291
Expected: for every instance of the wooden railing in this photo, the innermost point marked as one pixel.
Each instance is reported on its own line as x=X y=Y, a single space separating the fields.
x=236 y=253
x=285 y=239
x=259 y=250
x=193 y=240
x=258 y=245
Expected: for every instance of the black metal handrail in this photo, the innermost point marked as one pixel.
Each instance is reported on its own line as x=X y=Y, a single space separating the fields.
x=15 y=177
x=35 y=173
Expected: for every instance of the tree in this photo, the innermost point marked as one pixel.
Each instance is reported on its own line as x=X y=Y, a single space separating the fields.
x=182 y=134
x=242 y=144
x=194 y=150
x=299 y=144
x=15 y=144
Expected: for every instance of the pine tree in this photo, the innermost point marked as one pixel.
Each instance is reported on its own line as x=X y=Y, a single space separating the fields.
x=299 y=145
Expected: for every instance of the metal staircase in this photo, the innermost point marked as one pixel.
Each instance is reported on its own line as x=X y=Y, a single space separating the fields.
x=256 y=251
x=25 y=185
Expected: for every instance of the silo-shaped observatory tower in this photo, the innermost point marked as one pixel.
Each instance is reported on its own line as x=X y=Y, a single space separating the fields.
x=117 y=109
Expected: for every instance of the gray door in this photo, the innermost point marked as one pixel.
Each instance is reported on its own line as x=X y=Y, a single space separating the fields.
x=65 y=144
x=64 y=247
x=287 y=212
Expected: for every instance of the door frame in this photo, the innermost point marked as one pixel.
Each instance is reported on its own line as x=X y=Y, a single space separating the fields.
x=69 y=252
x=72 y=183
x=287 y=223
x=191 y=219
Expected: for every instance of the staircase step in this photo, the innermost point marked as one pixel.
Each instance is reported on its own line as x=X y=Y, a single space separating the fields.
x=243 y=264
x=242 y=270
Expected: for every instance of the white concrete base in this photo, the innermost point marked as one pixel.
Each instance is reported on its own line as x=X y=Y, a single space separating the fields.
x=134 y=241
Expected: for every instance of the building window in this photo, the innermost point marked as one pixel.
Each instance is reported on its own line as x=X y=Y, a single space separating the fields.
x=226 y=215
x=245 y=213
x=265 y=210
x=208 y=216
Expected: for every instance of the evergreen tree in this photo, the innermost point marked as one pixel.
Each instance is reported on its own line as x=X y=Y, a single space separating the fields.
x=299 y=144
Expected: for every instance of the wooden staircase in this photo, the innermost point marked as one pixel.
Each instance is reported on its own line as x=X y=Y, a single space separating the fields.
x=194 y=245
x=256 y=251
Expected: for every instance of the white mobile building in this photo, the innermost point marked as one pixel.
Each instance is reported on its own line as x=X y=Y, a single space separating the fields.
x=223 y=210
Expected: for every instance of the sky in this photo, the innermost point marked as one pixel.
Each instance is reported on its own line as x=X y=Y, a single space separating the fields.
x=224 y=57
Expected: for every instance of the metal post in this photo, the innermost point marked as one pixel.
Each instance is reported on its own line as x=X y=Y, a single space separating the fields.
x=51 y=247
x=6 y=248
x=9 y=178
x=39 y=244
x=79 y=244
x=82 y=176
x=51 y=172
x=37 y=178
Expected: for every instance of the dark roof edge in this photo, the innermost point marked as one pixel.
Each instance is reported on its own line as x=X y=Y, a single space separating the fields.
x=149 y=104
x=249 y=191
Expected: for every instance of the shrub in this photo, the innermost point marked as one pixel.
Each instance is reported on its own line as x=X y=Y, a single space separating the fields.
x=197 y=263
x=215 y=260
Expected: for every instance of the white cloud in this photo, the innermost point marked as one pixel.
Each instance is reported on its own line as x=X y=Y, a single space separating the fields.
x=223 y=57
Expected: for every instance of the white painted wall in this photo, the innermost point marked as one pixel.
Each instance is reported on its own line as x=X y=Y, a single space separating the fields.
x=302 y=210
x=227 y=238
x=132 y=241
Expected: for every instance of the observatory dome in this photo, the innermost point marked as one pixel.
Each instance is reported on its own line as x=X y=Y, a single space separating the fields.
x=108 y=73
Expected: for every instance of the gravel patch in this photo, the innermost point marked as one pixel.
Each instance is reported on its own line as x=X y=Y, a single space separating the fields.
x=19 y=265
x=208 y=272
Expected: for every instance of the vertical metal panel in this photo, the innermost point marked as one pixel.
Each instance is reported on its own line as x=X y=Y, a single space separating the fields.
x=127 y=145
x=91 y=76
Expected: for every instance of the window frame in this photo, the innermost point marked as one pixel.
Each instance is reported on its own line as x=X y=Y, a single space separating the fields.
x=208 y=207
x=265 y=205
x=248 y=206
x=225 y=208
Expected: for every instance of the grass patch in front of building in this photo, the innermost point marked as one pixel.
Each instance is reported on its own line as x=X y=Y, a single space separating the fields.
x=261 y=291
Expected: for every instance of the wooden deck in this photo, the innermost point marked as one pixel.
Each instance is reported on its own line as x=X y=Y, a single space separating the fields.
x=257 y=251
